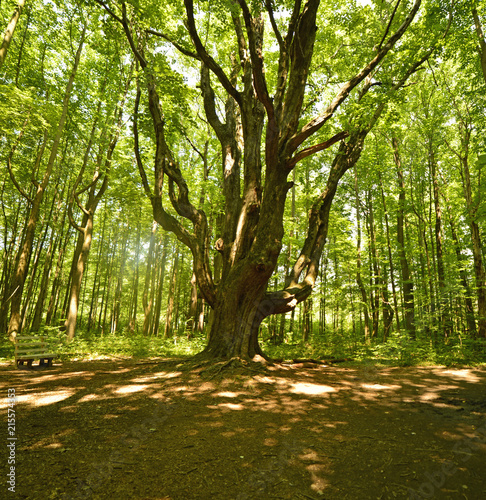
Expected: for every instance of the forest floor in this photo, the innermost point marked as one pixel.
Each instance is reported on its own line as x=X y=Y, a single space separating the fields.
x=165 y=429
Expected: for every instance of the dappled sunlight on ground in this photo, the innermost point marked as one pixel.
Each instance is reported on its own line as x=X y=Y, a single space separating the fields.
x=41 y=399
x=310 y=389
x=164 y=430
x=129 y=389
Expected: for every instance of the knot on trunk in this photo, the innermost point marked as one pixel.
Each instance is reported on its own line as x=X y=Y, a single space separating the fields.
x=219 y=245
x=254 y=207
x=260 y=268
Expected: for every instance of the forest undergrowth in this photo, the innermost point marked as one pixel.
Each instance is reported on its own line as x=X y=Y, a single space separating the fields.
x=398 y=350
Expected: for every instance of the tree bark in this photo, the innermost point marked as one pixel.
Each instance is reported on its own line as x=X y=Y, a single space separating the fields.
x=192 y=309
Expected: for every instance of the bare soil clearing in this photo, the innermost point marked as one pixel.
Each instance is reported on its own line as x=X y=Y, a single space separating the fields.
x=122 y=429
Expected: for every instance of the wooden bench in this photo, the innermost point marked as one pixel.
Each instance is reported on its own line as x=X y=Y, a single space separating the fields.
x=28 y=348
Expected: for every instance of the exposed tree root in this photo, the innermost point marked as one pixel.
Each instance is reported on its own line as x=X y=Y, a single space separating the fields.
x=211 y=367
x=328 y=361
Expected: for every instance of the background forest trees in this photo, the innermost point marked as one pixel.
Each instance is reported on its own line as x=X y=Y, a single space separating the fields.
x=79 y=251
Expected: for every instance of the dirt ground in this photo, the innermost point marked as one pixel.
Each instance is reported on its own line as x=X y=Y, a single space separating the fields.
x=162 y=429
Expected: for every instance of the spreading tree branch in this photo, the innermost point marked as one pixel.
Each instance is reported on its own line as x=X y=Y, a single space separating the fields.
x=318 y=147
x=177 y=45
x=316 y=123
x=389 y=25
x=205 y=57
x=254 y=29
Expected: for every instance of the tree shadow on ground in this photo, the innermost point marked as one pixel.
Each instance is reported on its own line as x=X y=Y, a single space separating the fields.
x=162 y=429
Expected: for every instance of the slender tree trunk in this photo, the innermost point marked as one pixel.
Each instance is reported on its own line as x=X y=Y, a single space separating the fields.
x=160 y=286
x=323 y=294
x=86 y=229
x=178 y=299
x=469 y=309
x=307 y=319
x=10 y=31
x=147 y=303
x=359 y=280
x=200 y=315
x=96 y=280
x=446 y=323
x=8 y=262
x=119 y=287
x=471 y=322
x=479 y=270
x=375 y=275
x=388 y=311
x=21 y=48
x=192 y=309
x=390 y=258
x=77 y=277
x=169 y=331
x=407 y=284
x=33 y=279
x=56 y=282
x=54 y=241
x=132 y=320
x=107 y=289
x=430 y=307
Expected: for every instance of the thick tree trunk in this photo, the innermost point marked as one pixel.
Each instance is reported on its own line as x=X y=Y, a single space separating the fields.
x=236 y=324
